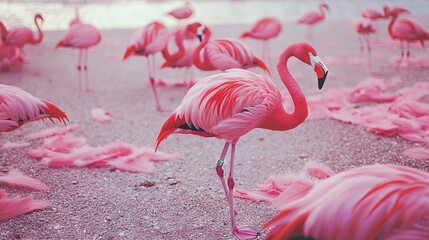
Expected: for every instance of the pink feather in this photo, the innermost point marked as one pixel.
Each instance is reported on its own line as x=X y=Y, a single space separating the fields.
x=417 y=153
x=49 y=132
x=17 y=179
x=100 y=115
x=14 y=145
x=13 y=207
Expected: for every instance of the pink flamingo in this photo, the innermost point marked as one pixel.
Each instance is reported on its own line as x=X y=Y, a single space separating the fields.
x=313 y=17
x=230 y=104
x=146 y=42
x=222 y=54
x=20 y=36
x=186 y=42
x=18 y=107
x=264 y=29
x=10 y=56
x=81 y=36
x=364 y=28
x=407 y=30
x=182 y=12
x=3 y=32
x=370 y=202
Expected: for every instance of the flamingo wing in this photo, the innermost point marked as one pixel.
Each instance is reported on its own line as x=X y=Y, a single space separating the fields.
x=408 y=29
x=150 y=39
x=19 y=36
x=310 y=18
x=81 y=36
x=225 y=105
x=266 y=28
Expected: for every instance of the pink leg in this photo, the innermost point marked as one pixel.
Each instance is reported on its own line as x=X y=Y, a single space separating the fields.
x=367 y=42
x=150 y=71
x=79 y=68
x=360 y=43
x=85 y=68
x=245 y=232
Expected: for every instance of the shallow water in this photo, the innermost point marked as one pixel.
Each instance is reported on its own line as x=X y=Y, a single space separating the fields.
x=117 y=14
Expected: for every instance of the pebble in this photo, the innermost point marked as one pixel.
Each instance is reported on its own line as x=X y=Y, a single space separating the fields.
x=121 y=234
x=57 y=227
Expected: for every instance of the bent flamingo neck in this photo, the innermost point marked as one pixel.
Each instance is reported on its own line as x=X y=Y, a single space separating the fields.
x=390 y=27
x=40 y=36
x=322 y=13
x=173 y=57
x=204 y=64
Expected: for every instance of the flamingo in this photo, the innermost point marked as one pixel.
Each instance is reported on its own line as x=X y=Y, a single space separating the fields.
x=232 y=103
x=186 y=42
x=3 y=32
x=182 y=12
x=10 y=56
x=264 y=29
x=18 y=107
x=313 y=17
x=146 y=42
x=370 y=202
x=222 y=54
x=406 y=29
x=364 y=28
x=81 y=36
x=20 y=36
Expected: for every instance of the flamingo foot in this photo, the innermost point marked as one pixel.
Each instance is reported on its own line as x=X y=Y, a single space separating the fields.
x=245 y=232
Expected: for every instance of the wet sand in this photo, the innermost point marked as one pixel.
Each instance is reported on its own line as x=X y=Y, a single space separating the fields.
x=187 y=200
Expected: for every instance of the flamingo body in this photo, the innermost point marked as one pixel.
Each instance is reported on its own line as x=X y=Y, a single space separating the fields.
x=373 y=14
x=409 y=30
x=370 y=202
x=314 y=17
x=10 y=56
x=264 y=29
x=182 y=12
x=230 y=104
x=20 y=36
x=81 y=36
x=18 y=107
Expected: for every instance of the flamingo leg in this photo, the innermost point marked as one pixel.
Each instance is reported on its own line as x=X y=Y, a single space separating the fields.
x=360 y=43
x=79 y=68
x=245 y=232
x=85 y=68
x=151 y=70
x=367 y=42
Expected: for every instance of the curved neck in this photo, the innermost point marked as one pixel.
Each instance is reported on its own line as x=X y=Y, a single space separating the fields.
x=391 y=26
x=173 y=57
x=282 y=120
x=40 y=36
x=203 y=64
x=322 y=13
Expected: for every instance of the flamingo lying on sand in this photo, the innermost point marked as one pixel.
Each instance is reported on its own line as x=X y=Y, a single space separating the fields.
x=186 y=42
x=364 y=28
x=18 y=107
x=222 y=54
x=264 y=29
x=146 y=42
x=313 y=17
x=182 y=12
x=81 y=36
x=370 y=202
x=407 y=30
x=21 y=36
x=230 y=104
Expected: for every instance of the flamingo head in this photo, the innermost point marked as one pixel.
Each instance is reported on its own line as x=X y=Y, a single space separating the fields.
x=199 y=29
x=306 y=53
x=324 y=5
x=38 y=16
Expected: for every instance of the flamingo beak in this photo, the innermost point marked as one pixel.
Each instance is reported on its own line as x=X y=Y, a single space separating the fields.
x=200 y=37
x=320 y=69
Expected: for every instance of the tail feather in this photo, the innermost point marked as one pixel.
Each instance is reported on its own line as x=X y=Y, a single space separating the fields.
x=13 y=207
x=244 y=35
x=59 y=44
x=172 y=123
x=262 y=65
x=130 y=50
x=54 y=112
x=16 y=179
x=2 y=100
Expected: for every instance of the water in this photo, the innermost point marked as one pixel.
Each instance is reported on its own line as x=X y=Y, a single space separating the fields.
x=115 y=14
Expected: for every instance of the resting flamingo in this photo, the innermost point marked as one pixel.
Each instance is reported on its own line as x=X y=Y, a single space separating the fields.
x=406 y=29
x=81 y=36
x=222 y=54
x=146 y=42
x=230 y=104
x=21 y=36
x=182 y=12
x=370 y=202
x=364 y=28
x=264 y=29
x=186 y=42
x=313 y=17
x=18 y=107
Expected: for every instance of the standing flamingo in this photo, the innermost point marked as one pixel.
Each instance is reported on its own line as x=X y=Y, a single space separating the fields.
x=407 y=30
x=230 y=104
x=313 y=17
x=370 y=202
x=81 y=36
x=20 y=36
x=182 y=12
x=222 y=54
x=18 y=107
x=364 y=28
x=147 y=41
x=264 y=29
x=186 y=42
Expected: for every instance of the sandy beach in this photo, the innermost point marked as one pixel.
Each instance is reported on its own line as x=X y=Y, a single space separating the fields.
x=186 y=200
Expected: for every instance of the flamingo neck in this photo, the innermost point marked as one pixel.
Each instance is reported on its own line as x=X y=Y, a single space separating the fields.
x=390 y=27
x=281 y=120
x=169 y=57
x=40 y=36
x=322 y=13
x=201 y=64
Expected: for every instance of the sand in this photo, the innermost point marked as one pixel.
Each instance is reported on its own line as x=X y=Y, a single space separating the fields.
x=186 y=200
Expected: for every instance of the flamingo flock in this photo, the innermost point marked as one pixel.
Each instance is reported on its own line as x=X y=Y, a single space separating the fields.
x=366 y=202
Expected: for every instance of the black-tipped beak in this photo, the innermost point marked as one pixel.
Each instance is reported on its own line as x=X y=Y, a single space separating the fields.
x=321 y=81
x=200 y=37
